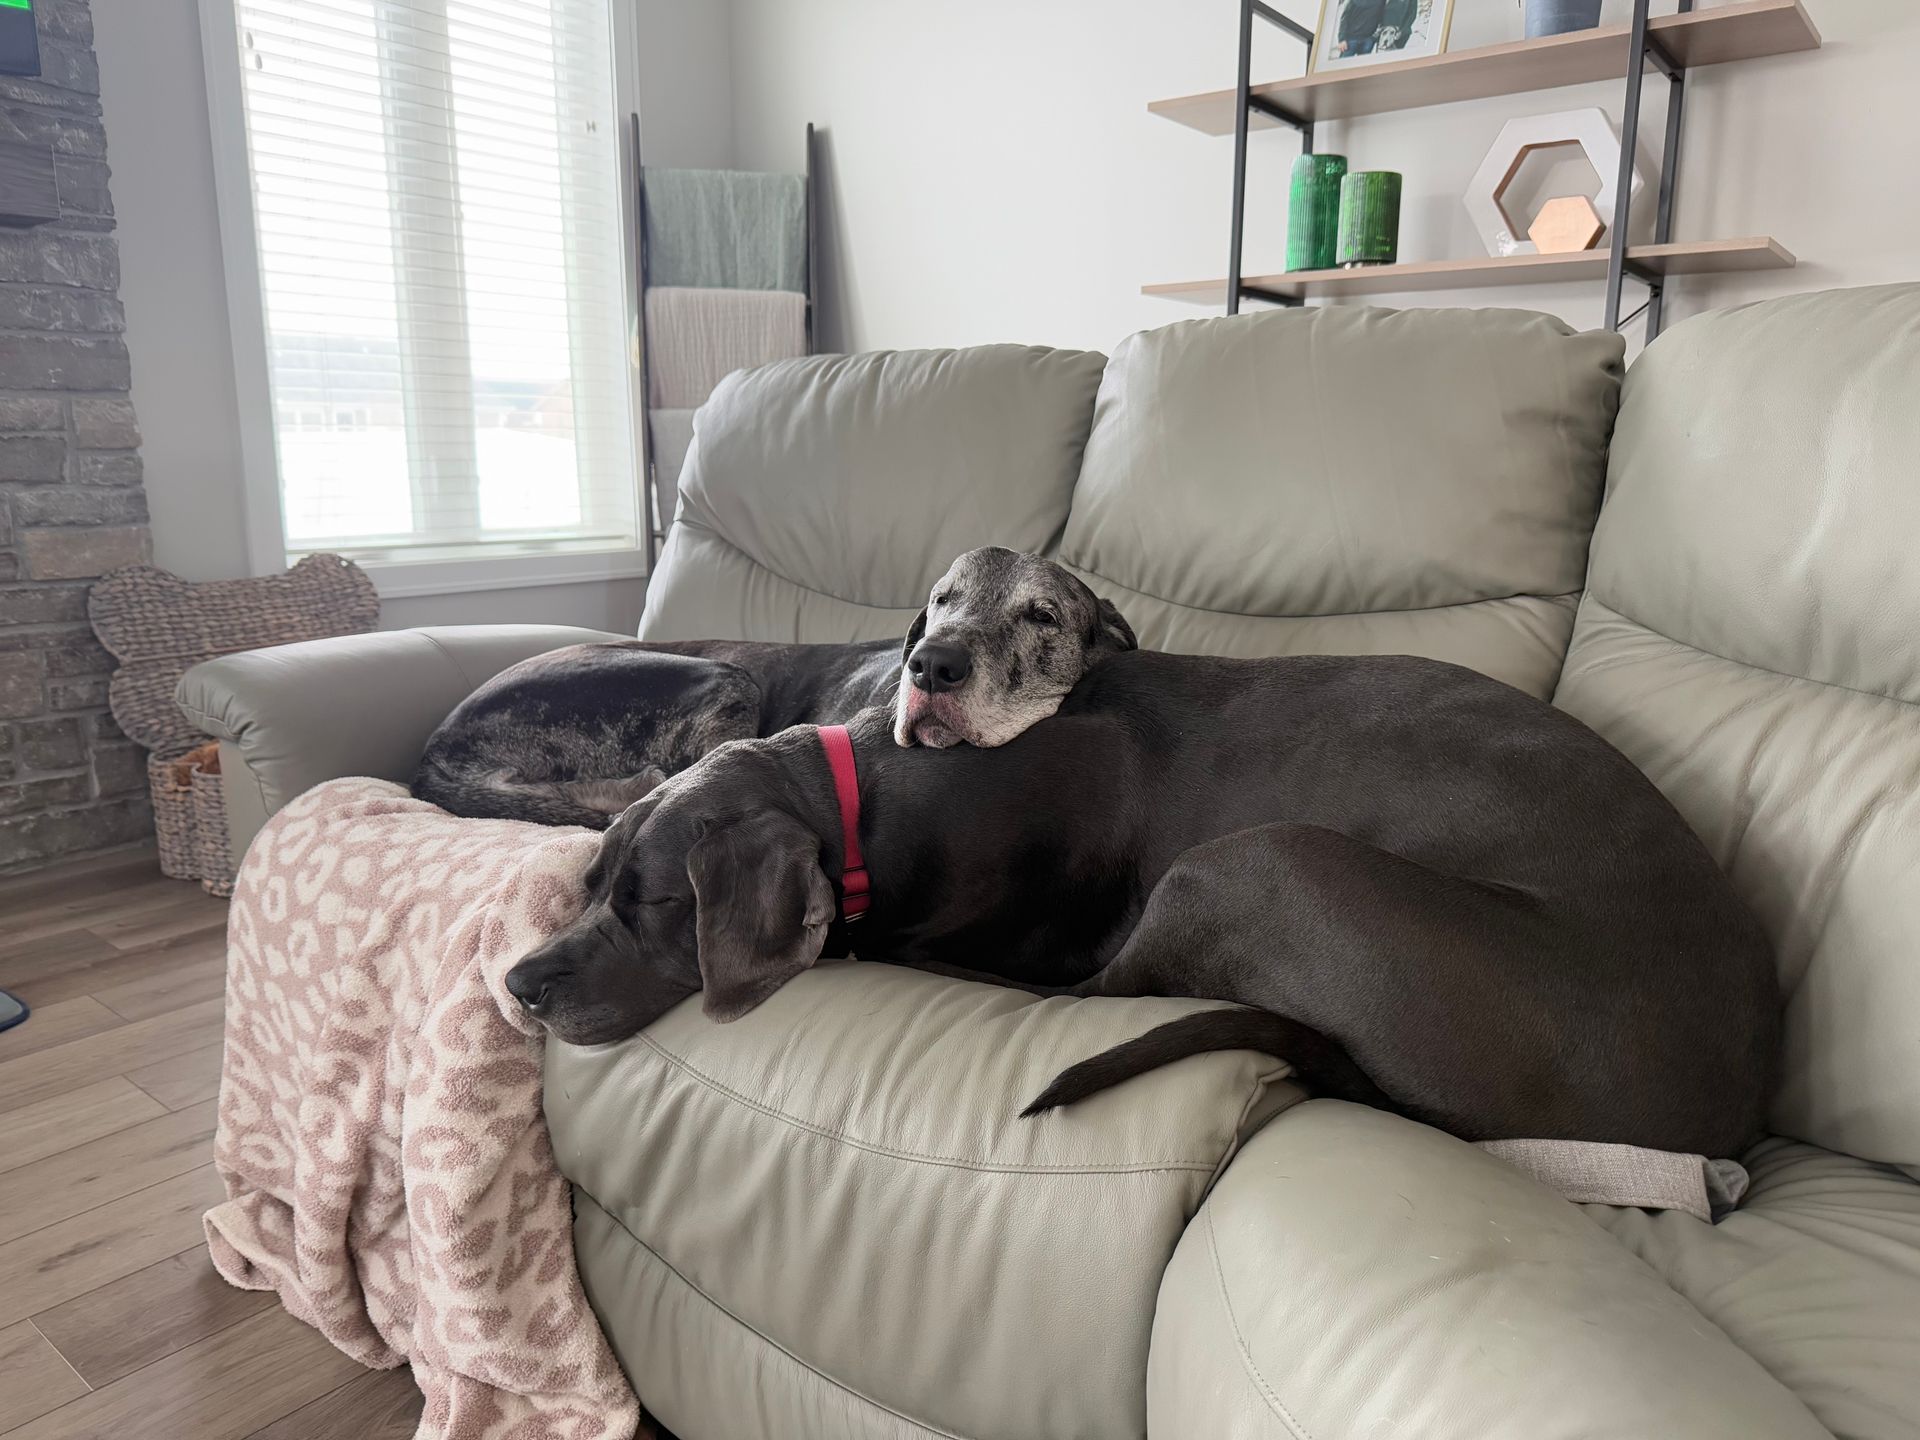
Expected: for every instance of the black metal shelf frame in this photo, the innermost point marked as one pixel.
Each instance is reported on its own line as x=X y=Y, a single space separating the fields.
x=1643 y=49
x=1244 y=100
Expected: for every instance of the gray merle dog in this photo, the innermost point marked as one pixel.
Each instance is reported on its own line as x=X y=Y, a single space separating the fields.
x=575 y=736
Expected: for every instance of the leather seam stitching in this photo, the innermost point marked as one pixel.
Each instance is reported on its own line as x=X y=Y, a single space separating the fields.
x=1679 y=644
x=1556 y=599
x=449 y=657
x=759 y=1334
x=226 y=735
x=953 y=1162
x=206 y=723
x=1263 y=1084
x=1260 y=1381
x=259 y=789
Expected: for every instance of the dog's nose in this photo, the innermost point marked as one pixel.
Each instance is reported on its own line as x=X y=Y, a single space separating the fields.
x=936 y=666
x=531 y=984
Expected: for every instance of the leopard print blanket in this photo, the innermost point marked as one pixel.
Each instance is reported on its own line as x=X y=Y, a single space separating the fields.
x=380 y=1130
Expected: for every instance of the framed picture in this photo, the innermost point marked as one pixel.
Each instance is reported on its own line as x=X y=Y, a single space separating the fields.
x=19 y=43
x=1371 y=32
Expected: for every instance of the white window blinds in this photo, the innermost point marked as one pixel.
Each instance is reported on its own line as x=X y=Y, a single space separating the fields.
x=437 y=198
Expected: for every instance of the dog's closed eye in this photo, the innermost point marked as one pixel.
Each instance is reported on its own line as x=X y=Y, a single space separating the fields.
x=1042 y=615
x=627 y=896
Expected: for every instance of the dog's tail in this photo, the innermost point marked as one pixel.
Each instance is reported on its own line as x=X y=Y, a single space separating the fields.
x=1321 y=1063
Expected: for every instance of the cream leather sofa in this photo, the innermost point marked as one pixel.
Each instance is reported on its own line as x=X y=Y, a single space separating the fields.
x=826 y=1221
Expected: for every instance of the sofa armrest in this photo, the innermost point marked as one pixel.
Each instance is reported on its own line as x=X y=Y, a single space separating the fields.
x=1355 y=1274
x=291 y=716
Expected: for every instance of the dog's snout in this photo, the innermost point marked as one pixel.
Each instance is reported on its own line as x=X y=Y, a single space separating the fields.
x=935 y=666
x=531 y=982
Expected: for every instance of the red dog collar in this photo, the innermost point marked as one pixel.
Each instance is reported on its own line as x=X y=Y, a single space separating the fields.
x=846 y=788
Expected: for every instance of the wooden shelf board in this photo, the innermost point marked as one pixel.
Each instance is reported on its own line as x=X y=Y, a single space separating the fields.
x=1696 y=257
x=1742 y=30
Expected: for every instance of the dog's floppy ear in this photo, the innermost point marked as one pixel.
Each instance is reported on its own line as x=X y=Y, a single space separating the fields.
x=914 y=632
x=1115 y=633
x=763 y=908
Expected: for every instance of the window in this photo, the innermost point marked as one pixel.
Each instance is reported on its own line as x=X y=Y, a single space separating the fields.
x=436 y=220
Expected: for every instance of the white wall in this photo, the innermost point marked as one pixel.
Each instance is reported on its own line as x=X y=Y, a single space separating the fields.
x=155 y=98
x=154 y=93
x=991 y=173
x=684 y=59
x=995 y=176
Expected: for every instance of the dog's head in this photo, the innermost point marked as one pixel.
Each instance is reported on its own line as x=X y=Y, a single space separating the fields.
x=702 y=886
x=1003 y=639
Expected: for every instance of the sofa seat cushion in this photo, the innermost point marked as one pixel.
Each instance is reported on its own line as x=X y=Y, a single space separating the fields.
x=1355 y=1275
x=1816 y=1275
x=823 y=497
x=1350 y=480
x=827 y=1217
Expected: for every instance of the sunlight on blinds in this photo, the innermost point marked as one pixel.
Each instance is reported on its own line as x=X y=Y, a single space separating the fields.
x=436 y=186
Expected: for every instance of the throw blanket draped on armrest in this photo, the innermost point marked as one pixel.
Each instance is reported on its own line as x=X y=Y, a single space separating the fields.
x=380 y=1127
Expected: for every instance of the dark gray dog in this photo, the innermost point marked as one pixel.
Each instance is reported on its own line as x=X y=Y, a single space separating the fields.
x=575 y=736
x=1443 y=896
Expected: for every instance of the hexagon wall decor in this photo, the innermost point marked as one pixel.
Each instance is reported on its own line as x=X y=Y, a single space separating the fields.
x=1505 y=234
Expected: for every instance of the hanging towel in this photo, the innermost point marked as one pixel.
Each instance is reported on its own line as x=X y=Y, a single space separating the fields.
x=672 y=435
x=1591 y=1172
x=696 y=338
x=726 y=230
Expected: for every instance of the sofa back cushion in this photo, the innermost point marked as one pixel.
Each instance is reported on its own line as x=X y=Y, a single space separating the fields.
x=1751 y=638
x=1350 y=480
x=823 y=497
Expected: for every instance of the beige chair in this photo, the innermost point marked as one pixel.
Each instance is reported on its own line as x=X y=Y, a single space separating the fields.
x=825 y=1220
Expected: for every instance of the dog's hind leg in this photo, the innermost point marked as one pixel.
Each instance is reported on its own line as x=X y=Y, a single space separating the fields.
x=1381 y=977
x=611 y=797
x=576 y=737
x=501 y=795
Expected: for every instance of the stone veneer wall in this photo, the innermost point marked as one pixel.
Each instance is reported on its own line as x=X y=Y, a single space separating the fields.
x=71 y=502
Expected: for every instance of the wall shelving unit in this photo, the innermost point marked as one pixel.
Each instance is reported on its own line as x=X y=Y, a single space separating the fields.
x=1671 y=45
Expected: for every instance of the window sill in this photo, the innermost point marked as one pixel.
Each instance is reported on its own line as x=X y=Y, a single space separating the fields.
x=398 y=580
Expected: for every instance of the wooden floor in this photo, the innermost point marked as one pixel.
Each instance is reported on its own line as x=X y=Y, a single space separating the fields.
x=112 y=1320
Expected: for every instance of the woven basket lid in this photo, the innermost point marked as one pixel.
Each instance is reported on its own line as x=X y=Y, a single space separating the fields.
x=159 y=627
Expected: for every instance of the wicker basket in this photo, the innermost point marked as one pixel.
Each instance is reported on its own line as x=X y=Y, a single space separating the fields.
x=213 y=859
x=190 y=817
x=158 y=627
x=173 y=817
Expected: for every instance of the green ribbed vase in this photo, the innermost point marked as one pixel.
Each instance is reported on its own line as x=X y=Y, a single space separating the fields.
x=1369 y=218
x=1313 y=211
